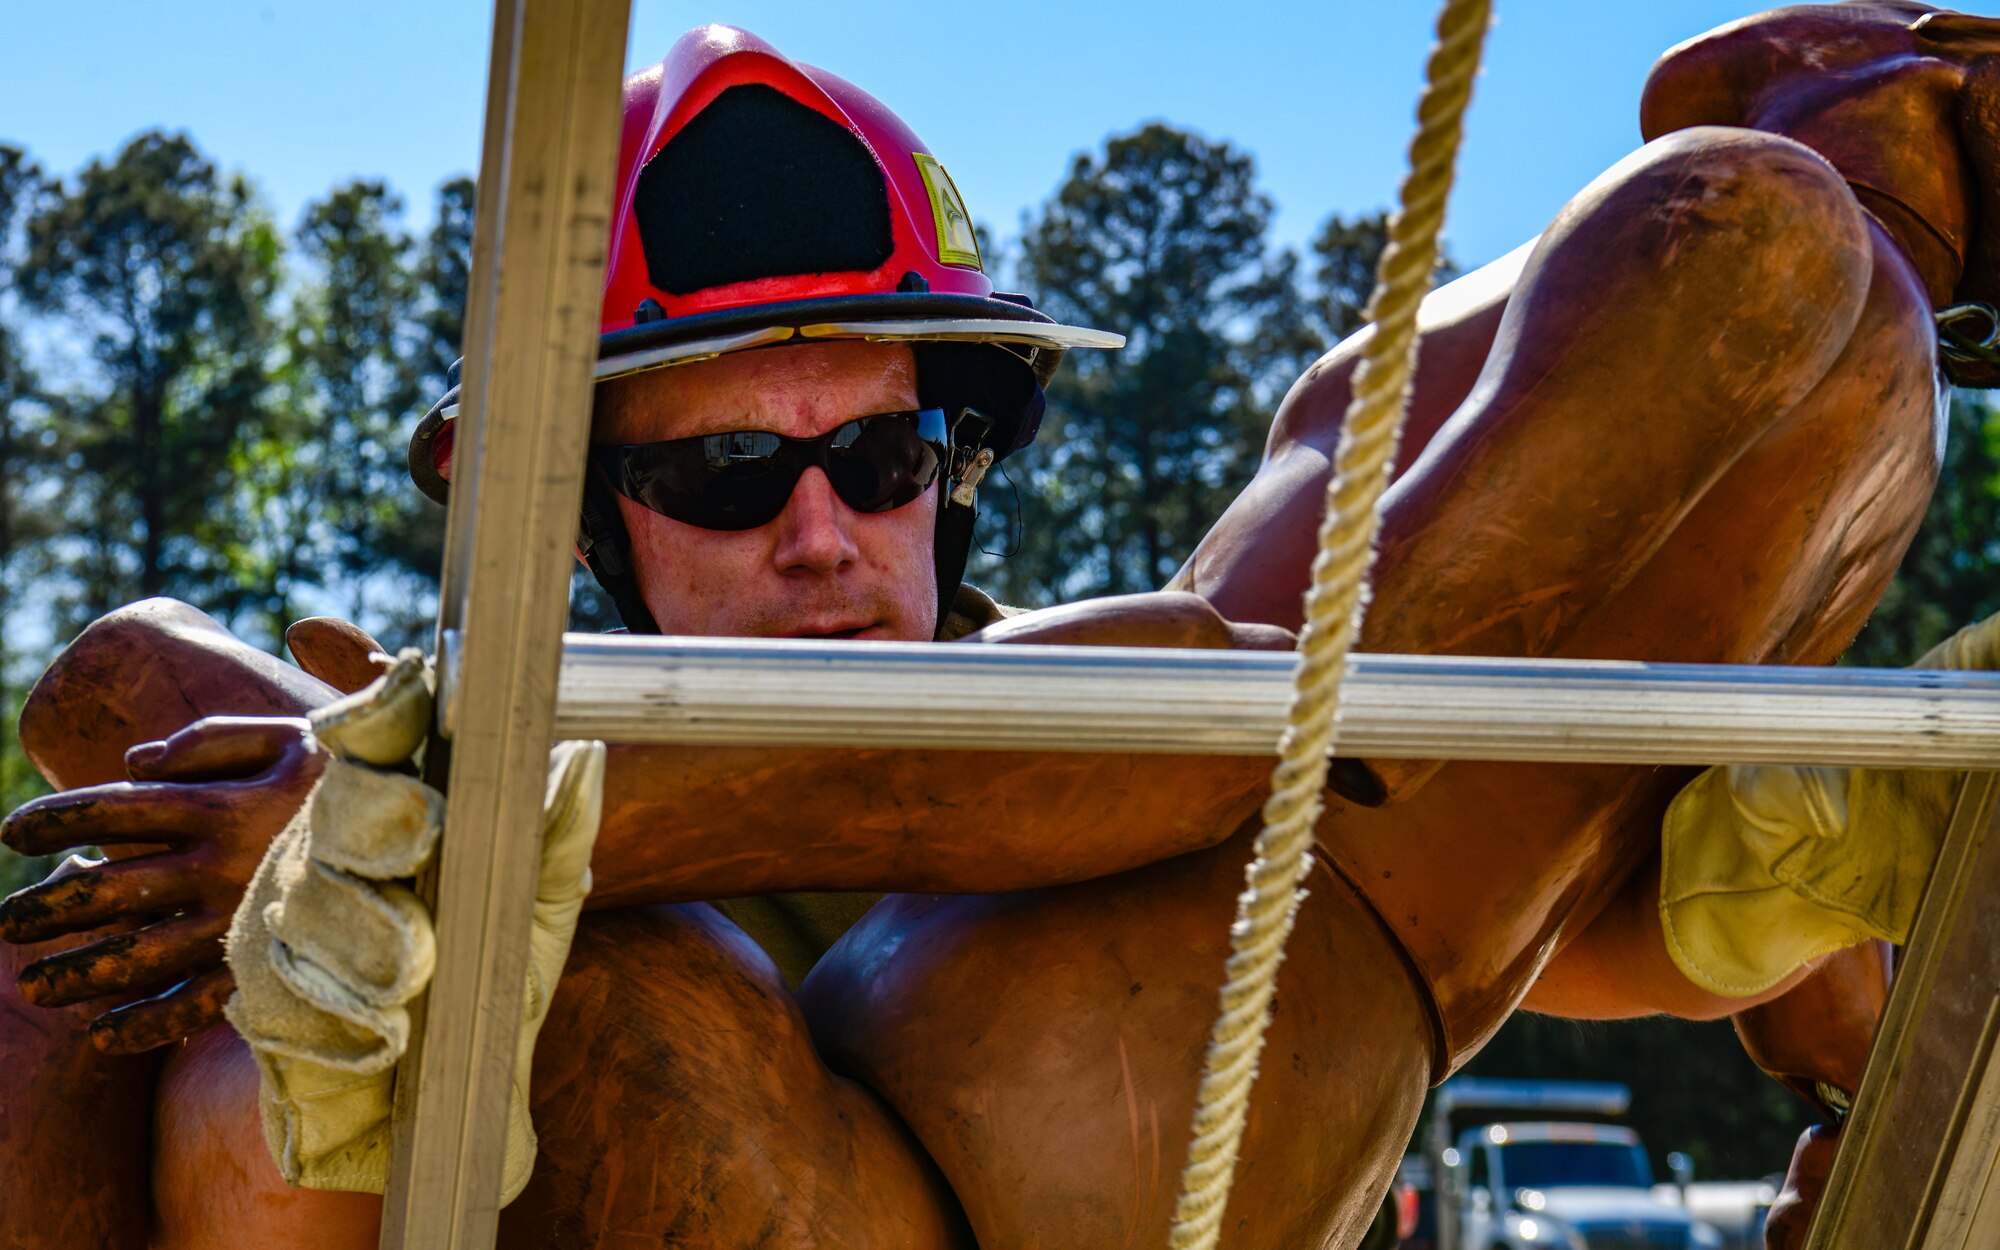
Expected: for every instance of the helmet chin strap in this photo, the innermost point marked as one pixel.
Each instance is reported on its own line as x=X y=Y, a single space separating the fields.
x=952 y=548
x=957 y=511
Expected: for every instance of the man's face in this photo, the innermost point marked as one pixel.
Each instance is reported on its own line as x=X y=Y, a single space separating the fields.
x=820 y=569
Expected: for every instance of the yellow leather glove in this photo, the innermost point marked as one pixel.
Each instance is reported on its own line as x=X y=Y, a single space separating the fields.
x=329 y=946
x=1765 y=868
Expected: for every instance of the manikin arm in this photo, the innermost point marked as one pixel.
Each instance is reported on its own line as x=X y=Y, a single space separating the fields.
x=75 y=1123
x=1812 y=1028
x=683 y=823
x=680 y=823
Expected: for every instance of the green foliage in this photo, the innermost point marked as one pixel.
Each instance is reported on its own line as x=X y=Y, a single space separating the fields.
x=407 y=542
x=444 y=275
x=319 y=471
x=1161 y=237
x=1345 y=254
x=233 y=438
x=329 y=467
x=167 y=270
x=1951 y=574
x=26 y=450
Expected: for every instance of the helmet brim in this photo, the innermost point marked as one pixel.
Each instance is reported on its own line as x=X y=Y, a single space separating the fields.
x=910 y=317
x=903 y=317
x=1052 y=335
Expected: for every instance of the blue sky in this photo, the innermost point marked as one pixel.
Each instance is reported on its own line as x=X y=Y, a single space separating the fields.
x=302 y=96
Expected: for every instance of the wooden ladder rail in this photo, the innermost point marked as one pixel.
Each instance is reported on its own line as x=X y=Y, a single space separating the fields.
x=545 y=175
x=1919 y=1161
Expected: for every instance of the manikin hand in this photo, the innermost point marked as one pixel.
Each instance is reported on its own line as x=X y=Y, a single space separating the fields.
x=1792 y=1214
x=211 y=798
x=1163 y=618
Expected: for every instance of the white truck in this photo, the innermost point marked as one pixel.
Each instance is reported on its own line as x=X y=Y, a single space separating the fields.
x=1536 y=1165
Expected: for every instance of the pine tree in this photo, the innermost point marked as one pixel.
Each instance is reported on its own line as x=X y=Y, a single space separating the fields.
x=28 y=455
x=167 y=269
x=1161 y=236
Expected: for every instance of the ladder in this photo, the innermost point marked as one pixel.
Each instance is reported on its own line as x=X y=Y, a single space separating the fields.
x=1920 y=1169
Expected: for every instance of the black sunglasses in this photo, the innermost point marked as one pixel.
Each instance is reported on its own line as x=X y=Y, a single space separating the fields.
x=743 y=479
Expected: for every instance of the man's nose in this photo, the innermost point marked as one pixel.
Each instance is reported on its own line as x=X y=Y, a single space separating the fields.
x=816 y=530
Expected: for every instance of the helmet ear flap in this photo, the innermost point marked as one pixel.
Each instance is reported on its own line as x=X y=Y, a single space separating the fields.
x=987 y=379
x=993 y=401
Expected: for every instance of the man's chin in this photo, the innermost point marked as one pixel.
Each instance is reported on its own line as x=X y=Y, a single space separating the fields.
x=873 y=631
x=876 y=622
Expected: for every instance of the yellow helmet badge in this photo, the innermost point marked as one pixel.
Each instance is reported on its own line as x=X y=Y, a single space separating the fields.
x=957 y=244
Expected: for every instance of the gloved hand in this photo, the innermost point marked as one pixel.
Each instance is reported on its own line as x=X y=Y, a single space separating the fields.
x=329 y=947
x=1767 y=867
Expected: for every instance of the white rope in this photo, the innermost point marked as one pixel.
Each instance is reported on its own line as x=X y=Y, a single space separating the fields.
x=1335 y=603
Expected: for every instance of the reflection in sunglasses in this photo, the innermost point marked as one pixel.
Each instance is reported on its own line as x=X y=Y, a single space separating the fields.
x=742 y=479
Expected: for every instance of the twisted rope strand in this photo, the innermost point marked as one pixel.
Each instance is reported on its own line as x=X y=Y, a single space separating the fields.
x=1335 y=603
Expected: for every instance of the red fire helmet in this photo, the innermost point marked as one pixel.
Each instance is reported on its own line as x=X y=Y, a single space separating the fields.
x=767 y=200
x=761 y=201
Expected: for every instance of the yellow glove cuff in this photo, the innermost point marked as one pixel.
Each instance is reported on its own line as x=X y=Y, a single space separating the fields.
x=1731 y=925
x=1765 y=868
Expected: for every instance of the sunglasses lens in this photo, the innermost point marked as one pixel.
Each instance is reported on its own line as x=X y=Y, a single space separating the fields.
x=741 y=480
x=878 y=464
x=735 y=481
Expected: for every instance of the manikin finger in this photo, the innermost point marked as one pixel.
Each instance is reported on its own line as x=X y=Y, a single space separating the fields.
x=218 y=748
x=156 y=956
x=1250 y=636
x=164 y=1019
x=112 y=815
x=96 y=893
x=384 y=723
x=339 y=653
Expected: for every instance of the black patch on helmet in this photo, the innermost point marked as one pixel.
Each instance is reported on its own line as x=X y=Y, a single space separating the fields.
x=757 y=185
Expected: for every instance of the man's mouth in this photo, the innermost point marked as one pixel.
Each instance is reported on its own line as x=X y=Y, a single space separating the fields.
x=818 y=634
